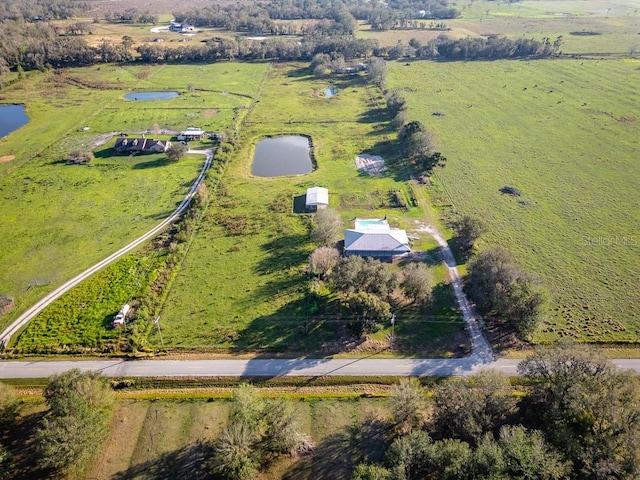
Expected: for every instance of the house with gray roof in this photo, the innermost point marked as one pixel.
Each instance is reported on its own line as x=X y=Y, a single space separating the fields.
x=140 y=145
x=375 y=238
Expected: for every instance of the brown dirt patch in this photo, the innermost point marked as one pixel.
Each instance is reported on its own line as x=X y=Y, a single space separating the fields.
x=7 y=158
x=209 y=112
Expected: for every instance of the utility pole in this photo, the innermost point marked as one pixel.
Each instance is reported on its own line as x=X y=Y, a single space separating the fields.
x=393 y=326
x=157 y=322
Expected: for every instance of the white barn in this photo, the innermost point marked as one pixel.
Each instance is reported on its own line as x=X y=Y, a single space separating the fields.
x=317 y=197
x=192 y=133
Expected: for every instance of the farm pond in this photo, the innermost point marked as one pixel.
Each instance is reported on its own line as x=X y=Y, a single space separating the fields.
x=145 y=96
x=12 y=117
x=281 y=156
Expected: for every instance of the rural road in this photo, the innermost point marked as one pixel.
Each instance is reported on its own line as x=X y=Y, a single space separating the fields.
x=23 y=319
x=271 y=367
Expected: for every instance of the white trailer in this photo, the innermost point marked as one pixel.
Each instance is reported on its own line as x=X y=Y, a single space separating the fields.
x=120 y=319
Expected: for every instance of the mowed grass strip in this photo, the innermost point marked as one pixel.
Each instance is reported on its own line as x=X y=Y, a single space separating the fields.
x=244 y=282
x=564 y=133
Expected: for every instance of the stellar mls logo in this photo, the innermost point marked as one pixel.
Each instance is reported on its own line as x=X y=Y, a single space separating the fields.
x=602 y=241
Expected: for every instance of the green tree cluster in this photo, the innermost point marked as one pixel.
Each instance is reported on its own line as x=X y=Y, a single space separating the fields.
x=364 y=287
x=327 y=228
x=177 y=151
x=259 y=431
x=507 y=296
x=468 y=230
x=417 y=145
x=575 y=417
x=80 y=404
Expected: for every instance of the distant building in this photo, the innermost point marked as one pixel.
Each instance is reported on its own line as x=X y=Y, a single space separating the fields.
x=192 y=133
x=375 y=238
x=180 y=27
x=317 y=197
x=141 y=145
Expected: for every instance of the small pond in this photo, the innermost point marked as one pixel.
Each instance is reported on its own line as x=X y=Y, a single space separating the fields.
x=12 y=117
x=144 y=96
x=330 y=92
x=280 y=156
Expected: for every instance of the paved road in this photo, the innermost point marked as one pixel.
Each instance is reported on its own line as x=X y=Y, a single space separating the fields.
x=270 y=367
x=23 y=319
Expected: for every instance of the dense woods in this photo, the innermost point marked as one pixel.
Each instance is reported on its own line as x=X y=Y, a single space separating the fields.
x=577 y=417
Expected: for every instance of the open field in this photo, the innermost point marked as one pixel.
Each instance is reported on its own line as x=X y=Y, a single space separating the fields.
x=565 y=133
x=55 y=219
x=588 y=27
x=244 y=281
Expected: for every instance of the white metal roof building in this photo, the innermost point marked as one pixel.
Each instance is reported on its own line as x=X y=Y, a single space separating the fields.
x=375 y=238
x=192 y=133
x=317 y=197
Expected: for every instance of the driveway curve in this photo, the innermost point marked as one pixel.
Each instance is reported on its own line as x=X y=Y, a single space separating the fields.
x=23 y=319
x=481 y=348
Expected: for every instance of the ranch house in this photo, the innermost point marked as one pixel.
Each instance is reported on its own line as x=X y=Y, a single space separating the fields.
x=141 y=145
x=375 y=238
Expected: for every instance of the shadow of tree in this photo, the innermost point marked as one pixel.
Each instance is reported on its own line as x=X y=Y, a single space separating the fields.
x=158 y=162
x=336 y=456
x=192 y=462
x=284 y=252
x=19 y=440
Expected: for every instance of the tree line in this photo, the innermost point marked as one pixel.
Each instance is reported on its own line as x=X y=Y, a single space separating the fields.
x=331 y=17
x=40 y=10
x=30 y=41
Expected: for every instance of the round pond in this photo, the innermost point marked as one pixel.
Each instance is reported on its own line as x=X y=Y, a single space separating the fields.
x=12 y=117
x=144 y=96
x=280 y=156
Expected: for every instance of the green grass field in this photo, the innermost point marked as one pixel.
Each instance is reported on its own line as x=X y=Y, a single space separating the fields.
x=565 y=133
x=57 y=220
x=162 y=438
x=158 y=439
x=246 y=287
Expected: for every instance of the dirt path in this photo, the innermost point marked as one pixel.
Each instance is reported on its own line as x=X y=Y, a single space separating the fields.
x=481 y=348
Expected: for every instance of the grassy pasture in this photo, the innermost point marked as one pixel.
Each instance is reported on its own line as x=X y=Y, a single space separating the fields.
x=243 y=283
x=56 y=220
x=616 y=25
x=565 y=133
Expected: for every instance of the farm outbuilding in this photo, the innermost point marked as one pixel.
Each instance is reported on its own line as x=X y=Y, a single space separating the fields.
x=192 y=133
x=375 y=238
x=317 y=197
